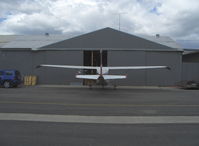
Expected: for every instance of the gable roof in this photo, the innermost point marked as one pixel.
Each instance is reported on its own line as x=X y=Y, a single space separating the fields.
x=108 y=39
x=32 y=41
x=5 y=39
x=163 y=40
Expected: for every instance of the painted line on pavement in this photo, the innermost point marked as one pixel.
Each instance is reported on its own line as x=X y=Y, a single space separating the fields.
x=101 y=119
x=100 y=105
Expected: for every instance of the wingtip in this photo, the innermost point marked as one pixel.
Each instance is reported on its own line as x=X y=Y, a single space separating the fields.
x=168 y=68
x=38 y=66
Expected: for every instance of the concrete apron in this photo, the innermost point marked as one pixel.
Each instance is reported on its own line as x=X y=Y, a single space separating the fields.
x=101 y=119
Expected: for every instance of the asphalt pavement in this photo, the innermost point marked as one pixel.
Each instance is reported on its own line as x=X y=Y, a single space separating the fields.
x=82 y=116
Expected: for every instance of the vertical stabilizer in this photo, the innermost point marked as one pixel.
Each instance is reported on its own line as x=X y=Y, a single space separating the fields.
x=101 y=65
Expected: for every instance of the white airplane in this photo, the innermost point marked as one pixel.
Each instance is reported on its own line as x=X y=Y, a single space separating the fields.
x=102 y=72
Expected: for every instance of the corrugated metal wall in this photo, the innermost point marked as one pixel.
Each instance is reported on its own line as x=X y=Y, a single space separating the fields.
x=128 y=58
x=190 y=71
x=157 y=77
x=190 y=68
x=26 y=62
x=57 y=75
x=164 y=77
x=20 y=60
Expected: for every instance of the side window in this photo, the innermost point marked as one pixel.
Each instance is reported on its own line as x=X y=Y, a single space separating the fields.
x=8 y=73
x=17 y=73
x=1 y=73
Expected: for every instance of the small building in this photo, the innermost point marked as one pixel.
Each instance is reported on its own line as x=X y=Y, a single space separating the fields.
x=24 y=53
x=190 y=66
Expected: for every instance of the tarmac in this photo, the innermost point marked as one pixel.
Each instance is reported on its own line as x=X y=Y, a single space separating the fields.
x=74 y=115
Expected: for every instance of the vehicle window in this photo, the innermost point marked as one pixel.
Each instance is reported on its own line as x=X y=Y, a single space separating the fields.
x=1 y=73
x=17 y=73
x=8 y=73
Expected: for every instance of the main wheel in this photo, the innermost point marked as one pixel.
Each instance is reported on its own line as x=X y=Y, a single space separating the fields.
x=6 y=84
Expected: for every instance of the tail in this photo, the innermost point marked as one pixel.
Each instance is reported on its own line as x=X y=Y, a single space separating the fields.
x=101 y=63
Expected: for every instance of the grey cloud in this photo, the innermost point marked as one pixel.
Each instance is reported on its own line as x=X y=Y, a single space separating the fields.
x=16 y=6
x=189 y=44
x=28 y=30
x=186 y=26
x=67 y=16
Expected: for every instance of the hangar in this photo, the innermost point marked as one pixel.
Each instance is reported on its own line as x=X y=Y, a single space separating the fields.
x=24 y=53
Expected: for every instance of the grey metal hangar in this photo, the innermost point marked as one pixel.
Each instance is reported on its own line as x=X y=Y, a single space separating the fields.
x=25 y=52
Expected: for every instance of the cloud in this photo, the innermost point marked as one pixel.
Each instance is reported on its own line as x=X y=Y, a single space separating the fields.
x=178 y=19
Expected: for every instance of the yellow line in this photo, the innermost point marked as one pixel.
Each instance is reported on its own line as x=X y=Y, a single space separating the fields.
x=100 y=105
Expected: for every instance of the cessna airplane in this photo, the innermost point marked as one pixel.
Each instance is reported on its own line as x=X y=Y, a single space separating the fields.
x=102 y=72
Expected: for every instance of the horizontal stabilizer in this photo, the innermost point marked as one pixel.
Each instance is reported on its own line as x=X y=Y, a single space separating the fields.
x=112 y=77
x=91 y=77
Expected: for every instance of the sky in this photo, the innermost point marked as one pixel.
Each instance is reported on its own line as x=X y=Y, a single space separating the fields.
x=178 y=19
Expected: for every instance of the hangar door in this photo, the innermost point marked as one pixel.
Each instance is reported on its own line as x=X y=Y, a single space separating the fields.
x=92 y=58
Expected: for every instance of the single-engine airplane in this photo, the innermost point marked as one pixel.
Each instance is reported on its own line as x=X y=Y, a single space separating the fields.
x=102 y=72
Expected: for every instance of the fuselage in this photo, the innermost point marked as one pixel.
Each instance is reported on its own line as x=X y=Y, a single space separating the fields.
x=101 y=81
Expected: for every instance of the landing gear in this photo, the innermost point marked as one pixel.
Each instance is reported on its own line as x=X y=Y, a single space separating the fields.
x=90 y=86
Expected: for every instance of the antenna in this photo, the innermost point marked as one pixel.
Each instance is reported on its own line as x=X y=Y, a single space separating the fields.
x=119 y=18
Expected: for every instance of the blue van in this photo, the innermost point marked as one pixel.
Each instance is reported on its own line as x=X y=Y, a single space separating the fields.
x=10 y=78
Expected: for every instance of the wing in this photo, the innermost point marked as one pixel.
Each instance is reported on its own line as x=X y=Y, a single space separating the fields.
x=113 y=77
x=136 y=67
x=91 y=77
x=68 y=66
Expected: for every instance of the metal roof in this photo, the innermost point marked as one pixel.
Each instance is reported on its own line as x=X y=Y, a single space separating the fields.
x=109 y=38
x=163 y=40
x=4 y=39
x=190 y=52
x=36 y=42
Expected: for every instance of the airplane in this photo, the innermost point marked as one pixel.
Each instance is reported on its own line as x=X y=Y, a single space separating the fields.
x=102 y=75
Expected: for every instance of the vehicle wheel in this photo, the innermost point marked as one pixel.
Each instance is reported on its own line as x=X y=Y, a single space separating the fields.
x=15 y=86
x=6 y=84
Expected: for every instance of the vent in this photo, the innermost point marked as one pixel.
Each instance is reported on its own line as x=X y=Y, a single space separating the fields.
x=157 y=35
x=47 y=34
